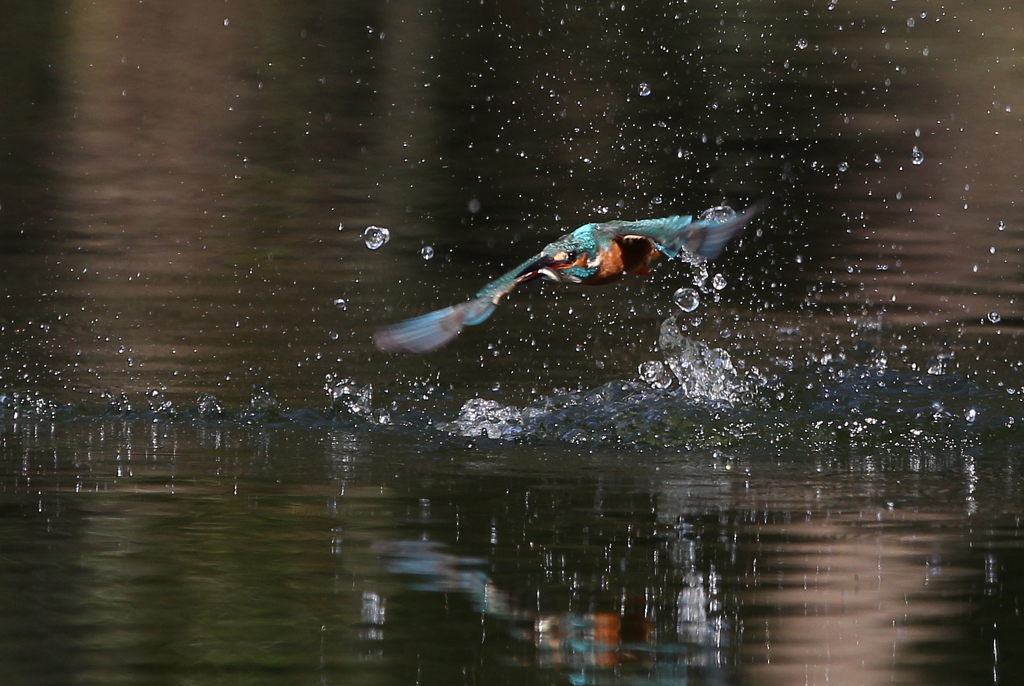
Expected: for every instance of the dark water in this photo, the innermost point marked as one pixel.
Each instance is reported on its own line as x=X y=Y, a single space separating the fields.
x=211 y=476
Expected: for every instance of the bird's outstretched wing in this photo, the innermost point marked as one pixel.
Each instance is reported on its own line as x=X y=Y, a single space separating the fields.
x=705 y=236
x=432 y=330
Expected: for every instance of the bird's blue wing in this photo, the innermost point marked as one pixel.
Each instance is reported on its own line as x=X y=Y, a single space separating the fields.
x=705 y=236
x=432 y=330
x=718 y=226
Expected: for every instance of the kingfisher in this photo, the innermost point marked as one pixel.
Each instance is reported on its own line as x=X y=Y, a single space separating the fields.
x=592 y=255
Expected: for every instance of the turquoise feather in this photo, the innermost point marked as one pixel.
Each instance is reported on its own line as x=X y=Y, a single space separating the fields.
x=574 y=258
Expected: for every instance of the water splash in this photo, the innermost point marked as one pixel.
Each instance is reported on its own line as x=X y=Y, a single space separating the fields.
x=487 y=418
x=350 y=400
x=376 y=237
x=703 y=373
x=667 y=401
x=209 y=408
x=687 y=299
x=719 y=214
x=656 y=374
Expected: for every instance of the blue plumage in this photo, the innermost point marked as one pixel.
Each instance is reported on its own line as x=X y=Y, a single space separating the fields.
x=593 y=254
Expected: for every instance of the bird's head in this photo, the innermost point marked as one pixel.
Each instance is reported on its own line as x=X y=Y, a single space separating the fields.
x=572 y=258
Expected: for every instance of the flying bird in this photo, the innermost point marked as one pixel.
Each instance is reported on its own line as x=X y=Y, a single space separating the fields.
x=592 y=255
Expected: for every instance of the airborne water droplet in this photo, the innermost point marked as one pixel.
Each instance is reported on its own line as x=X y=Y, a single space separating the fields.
x=687 y=299
x=717 y=215
x=718 y=282
x=656 y=374
x=916 y=156
x=843 y=166
x=376 y=236
x=427 y=252
x=644 y=90
x=994 y=317
x=802 y=44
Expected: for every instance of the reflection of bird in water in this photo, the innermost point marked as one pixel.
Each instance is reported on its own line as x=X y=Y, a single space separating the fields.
x=594 y=254
x=603 y=639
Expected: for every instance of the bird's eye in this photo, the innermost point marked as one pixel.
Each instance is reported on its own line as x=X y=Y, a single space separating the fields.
x=570 y=257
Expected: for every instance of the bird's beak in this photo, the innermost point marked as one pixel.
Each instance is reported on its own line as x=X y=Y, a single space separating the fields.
x=543 y=265
x=548 y=267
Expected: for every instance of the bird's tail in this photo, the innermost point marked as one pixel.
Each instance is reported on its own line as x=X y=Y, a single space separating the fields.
x=432 y=330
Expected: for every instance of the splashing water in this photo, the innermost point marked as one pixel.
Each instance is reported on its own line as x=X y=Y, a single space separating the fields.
x=351 y=400
x=687 y=299
x=376 y=237
x=703 y=373
x=487 y=418
x=622 y=411
x=719 y=214
x=656 y=374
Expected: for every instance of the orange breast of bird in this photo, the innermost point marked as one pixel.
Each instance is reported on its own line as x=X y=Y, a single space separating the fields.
x=629 y=255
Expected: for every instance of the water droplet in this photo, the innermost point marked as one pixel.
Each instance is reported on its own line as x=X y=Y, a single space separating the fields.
x=427 y=252
x=718 y=282
x=376 y=236
x=1002 y=226
x=644 y=90
x=910 y=23
x=843 y=166
x=473 y=205
x=832 y=4
x=994 y=317
x=687 y=299
x=341 y=226
x=970 y=415
x=916 y=156
x=878 y=158
x=717 y=215
x=655 y=374
x=802 y=44
x=341 y=303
